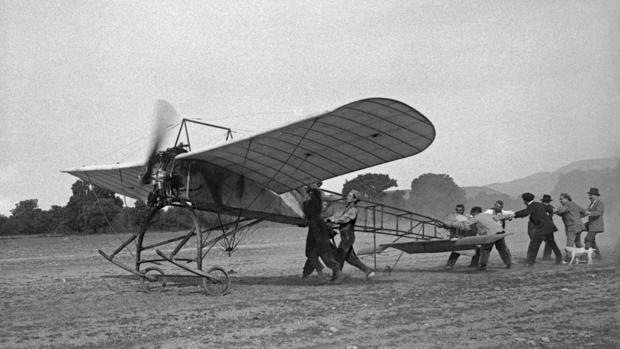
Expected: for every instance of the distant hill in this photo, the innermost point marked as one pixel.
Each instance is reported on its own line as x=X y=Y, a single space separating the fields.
x=544 y=182
x=472 y=192
x=586 y=165
x=575 y=178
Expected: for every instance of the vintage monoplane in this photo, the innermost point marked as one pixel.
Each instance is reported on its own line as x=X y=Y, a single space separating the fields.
x=257 y=179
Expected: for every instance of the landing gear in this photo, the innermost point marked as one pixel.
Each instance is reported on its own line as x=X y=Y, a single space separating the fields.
x=217 y=283
x=214 y=281
x=153 y=278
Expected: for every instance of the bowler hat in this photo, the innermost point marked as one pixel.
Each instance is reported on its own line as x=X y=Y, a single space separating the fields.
x=594 y=191
x=527 y=197
x=546 y=198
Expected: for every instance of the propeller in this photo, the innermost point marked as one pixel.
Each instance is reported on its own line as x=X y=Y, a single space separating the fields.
x=164 y=115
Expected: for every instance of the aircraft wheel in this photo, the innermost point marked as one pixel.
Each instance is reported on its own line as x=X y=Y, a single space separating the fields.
x=153 y=276
x=218 y=282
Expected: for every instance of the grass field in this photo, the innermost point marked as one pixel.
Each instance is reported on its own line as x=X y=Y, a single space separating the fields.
x=58 y=292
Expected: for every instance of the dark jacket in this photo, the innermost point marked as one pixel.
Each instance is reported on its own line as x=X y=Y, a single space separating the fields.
x=549 y=211
x=571 y=216
x=314 y=205
x=540 y=222
x=595 y=221
x=317 y=228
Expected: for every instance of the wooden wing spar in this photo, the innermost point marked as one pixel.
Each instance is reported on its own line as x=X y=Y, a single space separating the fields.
x=256 y=177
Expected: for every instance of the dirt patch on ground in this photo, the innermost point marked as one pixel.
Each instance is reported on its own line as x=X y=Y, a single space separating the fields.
x=57 y=292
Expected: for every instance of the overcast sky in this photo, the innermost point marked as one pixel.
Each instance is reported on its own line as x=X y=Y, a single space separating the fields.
x=512 y=87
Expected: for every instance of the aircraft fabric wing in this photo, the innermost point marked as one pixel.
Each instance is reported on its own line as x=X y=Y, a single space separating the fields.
x=120 y=178
x=355 y=136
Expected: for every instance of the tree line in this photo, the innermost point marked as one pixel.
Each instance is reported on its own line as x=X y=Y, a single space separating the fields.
x=436 y=195
x=431 y=194
x=94 y=210
x=90 y=210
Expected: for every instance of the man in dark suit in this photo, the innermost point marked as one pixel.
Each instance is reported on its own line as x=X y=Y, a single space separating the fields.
x=540 y=228
x=546 y=200
x=595 y=223
x=317 y=240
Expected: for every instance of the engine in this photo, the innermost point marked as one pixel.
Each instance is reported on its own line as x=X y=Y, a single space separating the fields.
x=165 y=180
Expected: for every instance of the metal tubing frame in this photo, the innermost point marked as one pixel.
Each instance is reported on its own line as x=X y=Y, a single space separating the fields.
x=224 y=235
x=199 y=244
x=139 y=240
x=184 y=240
x=372 y=211
x=140 y=237
x=173 y=261
x=184 y=126
x=168 y=241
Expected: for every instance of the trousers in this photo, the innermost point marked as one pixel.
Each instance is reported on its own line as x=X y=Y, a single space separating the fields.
x=454 y=256
x=502 y=249
x=318 y=239
x=590 y=241
x=312 y=256
x=536 y=239
x=346 y=253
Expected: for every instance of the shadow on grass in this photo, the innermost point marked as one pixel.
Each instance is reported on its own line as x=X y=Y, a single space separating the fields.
x=282 y=280
x=313 y=280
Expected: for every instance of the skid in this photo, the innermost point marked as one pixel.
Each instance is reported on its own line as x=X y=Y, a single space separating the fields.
x=207 y=279
x=186 y=268
x=125 y=267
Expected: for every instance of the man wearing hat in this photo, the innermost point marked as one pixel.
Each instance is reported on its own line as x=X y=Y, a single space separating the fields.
x=345 y=220
x=546 y=200
x=595 y=223
x=540 y=228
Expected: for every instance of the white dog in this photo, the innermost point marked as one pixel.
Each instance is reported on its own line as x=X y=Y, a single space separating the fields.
x=577 y=252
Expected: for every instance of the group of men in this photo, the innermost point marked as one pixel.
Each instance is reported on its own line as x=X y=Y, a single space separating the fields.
x=489 y=222
x=540 y=227
x=319 y=238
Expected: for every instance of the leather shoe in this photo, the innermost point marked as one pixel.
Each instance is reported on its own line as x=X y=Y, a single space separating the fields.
x=338 y=277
